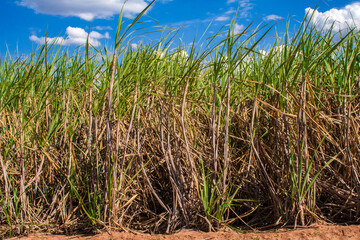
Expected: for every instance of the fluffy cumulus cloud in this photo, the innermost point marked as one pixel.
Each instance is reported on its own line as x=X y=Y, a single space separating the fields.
x=348 y=16
x=272 y=17
x=75 y=36
x=86 y=9
x=238 y=28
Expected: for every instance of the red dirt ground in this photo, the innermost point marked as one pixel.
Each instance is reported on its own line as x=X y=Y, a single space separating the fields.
x=316 y=232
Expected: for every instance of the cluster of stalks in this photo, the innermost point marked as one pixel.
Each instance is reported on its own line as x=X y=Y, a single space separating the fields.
x=152 y=139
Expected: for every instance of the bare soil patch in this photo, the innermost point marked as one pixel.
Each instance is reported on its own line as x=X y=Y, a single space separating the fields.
x=315 y=232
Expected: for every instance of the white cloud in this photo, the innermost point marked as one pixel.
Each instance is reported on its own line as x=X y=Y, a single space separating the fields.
x=85 y=9
x=189 y=22
x=348 y=16
x=181 y=54
x=245 y=6
x=272 y=17
x=49 y=40
x=242 y=3
x=230 y=11
x=177 y=54
x=222 y=18
x=280 y=48
x=245 y=3
x=101 y=28
x=226 y=16
x=238 y=28
x=75 y=36
x=262 y=52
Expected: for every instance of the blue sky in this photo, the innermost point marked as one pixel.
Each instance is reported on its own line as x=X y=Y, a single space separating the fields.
x=24 y=23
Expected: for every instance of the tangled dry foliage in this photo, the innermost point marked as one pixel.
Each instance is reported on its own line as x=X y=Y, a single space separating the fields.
x=223 y=136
